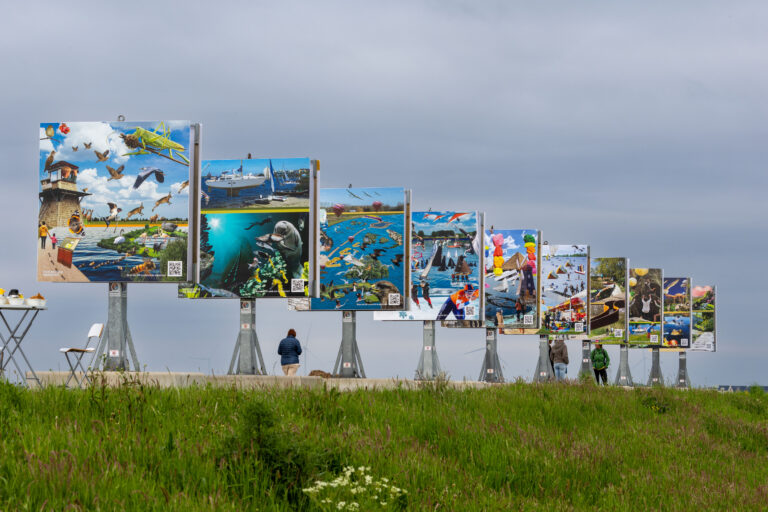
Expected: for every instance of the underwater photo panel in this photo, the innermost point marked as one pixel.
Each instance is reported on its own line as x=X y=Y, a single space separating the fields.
x=677 y=312
x=564 y=289
x=113 y=201
x=608 y=300
x=512 y=280
x=446 y=271
x=362 y=249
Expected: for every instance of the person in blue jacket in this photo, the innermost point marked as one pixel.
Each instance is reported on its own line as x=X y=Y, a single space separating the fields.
x=289 y=350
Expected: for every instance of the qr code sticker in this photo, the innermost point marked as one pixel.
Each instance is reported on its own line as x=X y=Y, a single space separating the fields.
x=654 y=338
x=297 y=285
x=684 y=342
x=394 y=299
x=470 y=310
x=618 y=333
x=578 y=327
x=174 y=269
x=527 y=319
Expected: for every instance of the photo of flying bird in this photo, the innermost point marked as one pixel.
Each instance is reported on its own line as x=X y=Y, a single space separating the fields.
x=74 y=148
x=87 y=145
x=182 y=187
x=398 y=259
x=101 y=157
x=113 y=213
x=146 y=172
x=115 y=174
x=260 y=223
x=49 y=160
x=377 y=253
x=366 y=193
x=136 y=211
x=354 y=195
x=162 y=200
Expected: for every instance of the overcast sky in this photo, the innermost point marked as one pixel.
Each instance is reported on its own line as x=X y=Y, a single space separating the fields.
x=638 y=128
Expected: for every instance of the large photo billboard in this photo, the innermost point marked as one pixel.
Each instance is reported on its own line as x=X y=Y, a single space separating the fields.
x=113 y=201
x=512 y=280
x=646 y=306
x=564 y=288
x=677 y=312
x=703 y=319
x=255 y=229
x=608 y=300
x=446 y=268
x=362 y=258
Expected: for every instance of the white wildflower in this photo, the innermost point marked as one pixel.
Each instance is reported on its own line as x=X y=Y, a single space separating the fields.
x=340 y=505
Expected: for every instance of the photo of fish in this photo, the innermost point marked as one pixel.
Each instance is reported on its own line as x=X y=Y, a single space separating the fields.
x=363 y=242
x=608 y=300
x=703 y=319
x=512 y=280
x=677 y=312
x=103 y=217
x=445 y=268
x=253 y=242
x=564 y=289
x=646 y=306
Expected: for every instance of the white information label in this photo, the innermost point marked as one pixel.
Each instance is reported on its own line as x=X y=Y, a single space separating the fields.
x=585 y=360
x=527 y=319
x=654 y=338
x=578 y=327
x=245 y=326
x=489 y=370
x=684 y=342
x=114 y=353
x=428 y=347
x=347 y=365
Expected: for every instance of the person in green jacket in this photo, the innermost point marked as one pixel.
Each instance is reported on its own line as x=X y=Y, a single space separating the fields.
x=600 y=362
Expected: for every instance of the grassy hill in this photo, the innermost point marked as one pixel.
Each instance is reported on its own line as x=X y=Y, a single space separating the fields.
x=517 y=446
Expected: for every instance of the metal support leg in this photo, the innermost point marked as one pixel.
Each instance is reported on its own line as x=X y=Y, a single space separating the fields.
x=623 y=376
x=429 y=365
x=247 y=352
x=586 y=360
x=491 y=370
x=543 y=366
x=683 y=379
x=655 y=378
x=118 y=342
x=349 y=353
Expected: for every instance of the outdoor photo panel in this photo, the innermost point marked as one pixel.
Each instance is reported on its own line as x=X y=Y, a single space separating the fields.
x=445 y=273
x=564 y=288
x=704 y=328
x=512 y=280
x=646 y=306
x=255 y=229
x=114 y=201
x=363 y=256
x=677 y=312
x=608 y=300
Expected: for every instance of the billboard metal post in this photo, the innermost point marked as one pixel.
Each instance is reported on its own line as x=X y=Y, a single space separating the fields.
x=349 y=364
x=491 y=370
x=247 y=358
x=624 y=376
x=429 y=364
x=117 y=343
x=655 y=378
x=683 y=379
x=543 y=367
x=586 y=360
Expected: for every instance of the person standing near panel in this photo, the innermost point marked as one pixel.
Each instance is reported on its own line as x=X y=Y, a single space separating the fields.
x=558 y=355
x=600 y=362
x=289 y=350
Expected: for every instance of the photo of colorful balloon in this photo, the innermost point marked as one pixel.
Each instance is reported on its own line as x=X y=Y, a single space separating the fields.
x=376 y=206
x=338 y=209
x=63 y=128
x=641 y=271
x=632 y=281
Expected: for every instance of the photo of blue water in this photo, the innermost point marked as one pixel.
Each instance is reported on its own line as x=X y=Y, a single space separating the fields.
x=677 y=330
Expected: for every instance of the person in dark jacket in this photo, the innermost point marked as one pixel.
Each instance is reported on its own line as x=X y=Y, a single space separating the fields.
x=558 y=355
x=600 y=362
x=289 y=350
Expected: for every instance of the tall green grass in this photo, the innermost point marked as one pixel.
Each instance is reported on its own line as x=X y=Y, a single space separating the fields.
x=553 y=447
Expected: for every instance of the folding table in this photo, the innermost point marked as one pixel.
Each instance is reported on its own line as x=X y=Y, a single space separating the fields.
x=10 y=343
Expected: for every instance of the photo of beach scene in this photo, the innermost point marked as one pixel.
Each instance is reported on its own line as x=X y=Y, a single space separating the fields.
x=446 y=272
x=114 y=201
x=646 y=306
x=362 y=251
x=677 y=312
x=512 y=280
x=564 y=288
x=608 y=300
x=703 y=319
x=254 y=229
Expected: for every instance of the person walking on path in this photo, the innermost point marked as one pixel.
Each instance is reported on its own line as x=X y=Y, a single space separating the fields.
x=42 y=232
x=54 y=241
x=558 y=355
x=600 y=362
x=289 y=350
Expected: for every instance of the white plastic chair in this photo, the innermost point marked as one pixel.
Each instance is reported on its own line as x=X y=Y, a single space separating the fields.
x=94 y=332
